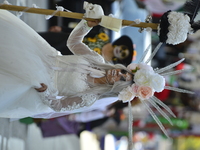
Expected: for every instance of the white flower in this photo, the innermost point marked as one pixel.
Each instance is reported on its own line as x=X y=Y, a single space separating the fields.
x=142 y=77
x=134 y=67
x=145 y=66
x=179 y=27
x=157 y=82
x=146 y=83
x=126 y=94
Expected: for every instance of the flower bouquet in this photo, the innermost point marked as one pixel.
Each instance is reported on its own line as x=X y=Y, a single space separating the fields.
x=146 y=82
x=174 y=26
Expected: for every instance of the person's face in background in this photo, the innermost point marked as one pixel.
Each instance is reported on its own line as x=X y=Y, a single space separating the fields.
x=121 y=51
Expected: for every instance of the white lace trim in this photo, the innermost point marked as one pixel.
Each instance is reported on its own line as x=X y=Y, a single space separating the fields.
x=89 y=99
x=86 y=100
x=47 y=99
x=44 y=97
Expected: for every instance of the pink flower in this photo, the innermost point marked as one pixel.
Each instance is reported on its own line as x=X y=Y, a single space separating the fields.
x=134 y=89
x=144 y=92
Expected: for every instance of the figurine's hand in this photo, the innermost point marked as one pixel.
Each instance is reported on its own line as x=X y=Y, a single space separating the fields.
x=43 y=88
x=93 y=23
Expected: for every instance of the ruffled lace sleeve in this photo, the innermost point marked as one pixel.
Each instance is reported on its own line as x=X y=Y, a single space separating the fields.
x=65 y=103
x=76 y=45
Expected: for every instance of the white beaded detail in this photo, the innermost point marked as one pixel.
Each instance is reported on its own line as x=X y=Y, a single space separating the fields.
x=89 y=99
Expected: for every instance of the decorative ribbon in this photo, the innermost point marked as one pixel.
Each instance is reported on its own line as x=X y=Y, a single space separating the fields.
x=59 y=8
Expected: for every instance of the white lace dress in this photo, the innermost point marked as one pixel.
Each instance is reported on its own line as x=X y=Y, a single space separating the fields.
x=26 y=60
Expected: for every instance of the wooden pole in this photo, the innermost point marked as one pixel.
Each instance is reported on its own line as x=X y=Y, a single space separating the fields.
x=70 y=15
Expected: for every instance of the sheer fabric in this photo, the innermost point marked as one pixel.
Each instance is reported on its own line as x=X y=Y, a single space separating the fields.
x=69 y=83
x=28 y=60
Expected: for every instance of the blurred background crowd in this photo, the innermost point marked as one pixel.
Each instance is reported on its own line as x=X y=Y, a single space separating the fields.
x=106 y=128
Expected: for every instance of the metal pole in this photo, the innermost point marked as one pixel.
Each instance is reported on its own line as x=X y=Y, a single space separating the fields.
x=70 y=15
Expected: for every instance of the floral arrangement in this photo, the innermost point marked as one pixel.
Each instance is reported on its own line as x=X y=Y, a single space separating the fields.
x=178 y=27
x=146 y=82
x=174 y=26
